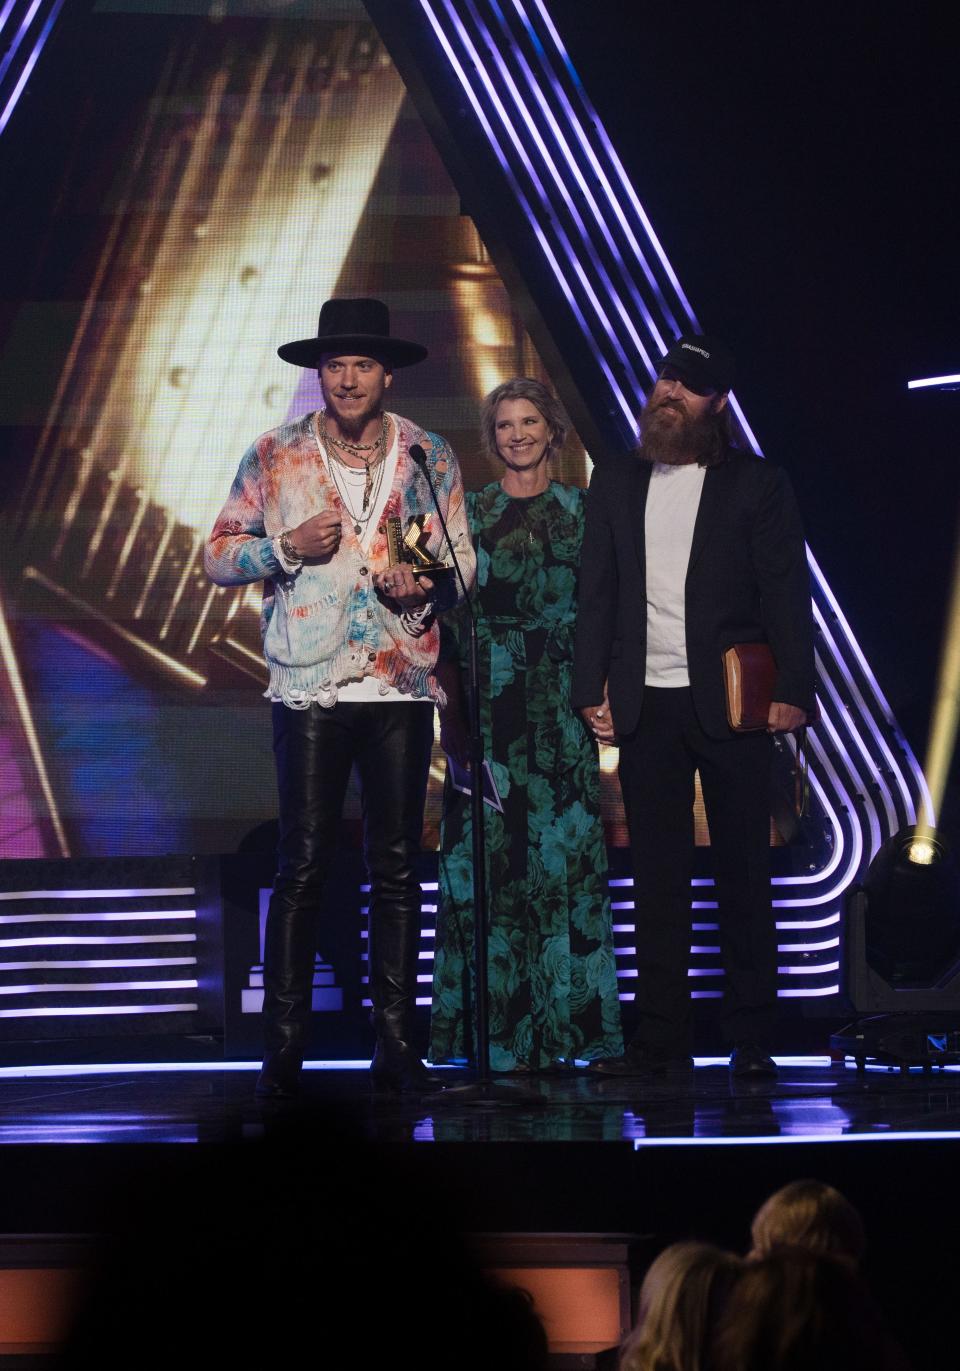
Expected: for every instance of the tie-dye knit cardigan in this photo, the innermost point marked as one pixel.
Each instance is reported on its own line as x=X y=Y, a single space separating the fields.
x=325 y=624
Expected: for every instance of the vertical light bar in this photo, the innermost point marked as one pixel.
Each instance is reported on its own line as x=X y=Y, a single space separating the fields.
x=33 y=57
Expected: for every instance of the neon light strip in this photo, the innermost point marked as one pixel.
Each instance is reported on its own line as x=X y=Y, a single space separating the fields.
x=22 y=702
x=809 y=947
x=93 y=1011
x=806 y=994
x=788 y=1139
x=18 y=38
x=30 y=64
x=133 y=916
x=914 y=765
x=532 y=219
x=99 y=942
x=86 y=988
x=167 y=1068
x=597 y=129
x=809 y=923
x=866 y=713
x=841 y=713
x=560 y=181
x=111 y=894
x=584 y=146
x=934 y=381
x=98 y=963
x=5 y=13
x=808 y=970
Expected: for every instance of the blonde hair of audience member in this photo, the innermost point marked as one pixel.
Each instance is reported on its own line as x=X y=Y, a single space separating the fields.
x=680 y=1301
x=797 y=1310
x=811 y=1215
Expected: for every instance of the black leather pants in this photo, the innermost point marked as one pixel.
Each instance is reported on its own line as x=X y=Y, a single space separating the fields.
x=315 y=749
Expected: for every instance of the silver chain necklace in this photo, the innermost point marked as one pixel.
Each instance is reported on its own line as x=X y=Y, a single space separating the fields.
x=371 y=488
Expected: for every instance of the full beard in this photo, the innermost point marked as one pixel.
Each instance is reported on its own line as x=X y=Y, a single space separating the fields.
x=675 y=439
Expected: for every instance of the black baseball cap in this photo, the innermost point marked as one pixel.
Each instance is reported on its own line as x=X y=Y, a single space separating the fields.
x=706 y=363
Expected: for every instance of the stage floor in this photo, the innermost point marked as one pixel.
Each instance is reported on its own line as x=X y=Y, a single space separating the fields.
x=659 y=1164
x=814 y=1101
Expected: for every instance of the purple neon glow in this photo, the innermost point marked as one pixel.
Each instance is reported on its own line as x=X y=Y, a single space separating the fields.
x=809 y=923
x=780 y=1139
x=934 y=381
x=108 y=894
x=555 y=267
x=570 y=164
x=94 y=1011
x=5 y=13
x=30 y=63
x=596 y=127
x=914 y=765
x=840 y=711
x=19 y=36
x=584 y=145
x=133 y=916
x=808 y=994
x=867 y=715
x=808 y=970
x=88 y=987
x=99 y=942
x=98 y=963
x=809 y=947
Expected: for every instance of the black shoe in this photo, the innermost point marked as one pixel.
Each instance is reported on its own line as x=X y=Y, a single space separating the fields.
x=279 y=1078
x=397 y=1069
x=639 y=1061
x=750 y=1062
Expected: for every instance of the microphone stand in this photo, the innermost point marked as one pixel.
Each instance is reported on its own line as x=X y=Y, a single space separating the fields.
x=484 y=1090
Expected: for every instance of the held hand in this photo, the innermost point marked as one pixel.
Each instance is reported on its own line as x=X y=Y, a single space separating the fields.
x=318 y=536
x=784 y=718
x=600 y=721
x=398 y=584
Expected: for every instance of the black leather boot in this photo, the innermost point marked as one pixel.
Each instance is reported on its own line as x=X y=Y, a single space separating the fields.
x=397 y=1066
x=287 y=988
x=394 y=943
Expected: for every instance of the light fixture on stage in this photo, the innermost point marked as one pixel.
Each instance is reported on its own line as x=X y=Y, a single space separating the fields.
x=903 y=956
x=910 y=914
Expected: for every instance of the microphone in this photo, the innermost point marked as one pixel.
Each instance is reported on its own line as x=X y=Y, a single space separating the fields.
x=419 y=458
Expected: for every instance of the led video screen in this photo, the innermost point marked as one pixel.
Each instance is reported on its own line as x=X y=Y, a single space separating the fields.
x=271 y=161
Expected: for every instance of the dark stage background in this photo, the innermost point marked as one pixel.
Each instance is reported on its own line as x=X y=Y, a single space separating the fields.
x=798 y=167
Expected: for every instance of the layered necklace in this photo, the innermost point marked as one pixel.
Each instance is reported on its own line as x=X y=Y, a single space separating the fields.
x=372 y=456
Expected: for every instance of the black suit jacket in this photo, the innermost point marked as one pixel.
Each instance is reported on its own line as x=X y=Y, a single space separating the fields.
x=747 y=581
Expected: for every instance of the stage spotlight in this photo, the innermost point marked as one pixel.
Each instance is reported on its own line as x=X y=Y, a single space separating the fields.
x=922 y=851
x=902 y=956
x=912 y=913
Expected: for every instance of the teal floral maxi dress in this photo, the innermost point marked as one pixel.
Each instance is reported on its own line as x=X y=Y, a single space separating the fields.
x=552 y=975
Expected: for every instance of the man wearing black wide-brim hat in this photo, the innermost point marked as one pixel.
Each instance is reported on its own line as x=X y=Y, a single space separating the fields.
x=351 y=643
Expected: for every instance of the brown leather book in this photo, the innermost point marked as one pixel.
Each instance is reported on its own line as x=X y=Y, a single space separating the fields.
x=749 y=674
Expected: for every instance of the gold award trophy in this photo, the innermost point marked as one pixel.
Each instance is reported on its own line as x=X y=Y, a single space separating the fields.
x=410 y=548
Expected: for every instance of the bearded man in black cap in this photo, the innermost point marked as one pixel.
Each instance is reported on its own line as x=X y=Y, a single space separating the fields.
x=690 y=547
x=351 y=643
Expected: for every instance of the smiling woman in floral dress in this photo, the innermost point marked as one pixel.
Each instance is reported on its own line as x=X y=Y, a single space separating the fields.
x=552 y=975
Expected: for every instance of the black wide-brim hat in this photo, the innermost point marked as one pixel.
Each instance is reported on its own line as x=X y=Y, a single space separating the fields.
x=353 y=328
